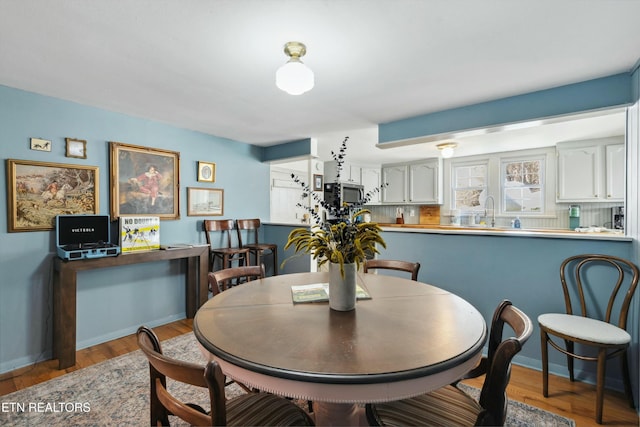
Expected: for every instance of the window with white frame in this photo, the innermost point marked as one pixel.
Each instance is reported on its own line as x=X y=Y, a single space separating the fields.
x=522 y=187
x=468 y=183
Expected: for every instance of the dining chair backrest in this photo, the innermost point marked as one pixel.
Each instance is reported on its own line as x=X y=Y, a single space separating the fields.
x=389 y=264
x=251 y=226
x=228 y=253
x=498 y=361
x=219 y=280
x=451 y=405
x=224 y=226
x=622 y=277
x=163 y=403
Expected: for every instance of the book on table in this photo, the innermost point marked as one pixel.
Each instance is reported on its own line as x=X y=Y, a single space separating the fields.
x=319 y=292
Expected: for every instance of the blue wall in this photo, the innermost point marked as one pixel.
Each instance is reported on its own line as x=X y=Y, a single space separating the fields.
x=486 y=269
x=596 y=94
x=114 y=304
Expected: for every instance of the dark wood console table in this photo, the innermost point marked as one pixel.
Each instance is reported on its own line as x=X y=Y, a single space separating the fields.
x=64 y=290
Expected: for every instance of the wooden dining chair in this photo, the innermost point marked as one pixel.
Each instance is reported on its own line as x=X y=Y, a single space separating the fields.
x=607 y=332
x=219 y=280
x=252 y=242
x=250 y=409
x=389 y=264
x=229 y=253
x=449 y=405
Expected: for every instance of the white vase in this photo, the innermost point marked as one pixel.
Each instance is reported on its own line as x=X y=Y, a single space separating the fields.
x=342 y=290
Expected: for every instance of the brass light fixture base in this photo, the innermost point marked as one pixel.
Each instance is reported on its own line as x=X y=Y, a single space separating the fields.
x=295 y=49
x=446 y=145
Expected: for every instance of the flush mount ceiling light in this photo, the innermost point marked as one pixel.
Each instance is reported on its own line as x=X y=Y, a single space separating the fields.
x=294 y=77
x=447 y=149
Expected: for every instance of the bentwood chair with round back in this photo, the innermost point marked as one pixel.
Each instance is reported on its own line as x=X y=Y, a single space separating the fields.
x=227 y=254
x=389 y=264
x=251 y=242
x=250 y=409
x=586 y=280
x=450 y=406
x=218 y=280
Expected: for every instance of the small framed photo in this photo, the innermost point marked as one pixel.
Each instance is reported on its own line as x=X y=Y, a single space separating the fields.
x=39 y=144
x=205 y=201
x=206 y=172
x=76 y=148
x=317 y=182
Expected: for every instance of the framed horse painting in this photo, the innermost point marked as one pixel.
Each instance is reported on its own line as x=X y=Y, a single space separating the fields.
x=39 y=191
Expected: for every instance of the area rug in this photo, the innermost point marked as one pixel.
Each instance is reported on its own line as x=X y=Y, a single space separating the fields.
x=116 y=393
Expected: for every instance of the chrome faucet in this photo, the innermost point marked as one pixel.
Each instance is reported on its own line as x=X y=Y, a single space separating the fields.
x=493 y=210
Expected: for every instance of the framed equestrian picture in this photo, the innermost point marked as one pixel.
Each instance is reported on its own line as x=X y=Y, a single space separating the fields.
x=144 y=181
x=39 y=191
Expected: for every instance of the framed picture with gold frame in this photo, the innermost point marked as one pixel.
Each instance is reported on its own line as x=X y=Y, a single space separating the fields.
x=76 y=148
x=39 y=191
x=144 y=181
x=205 y=201
x=206 y=172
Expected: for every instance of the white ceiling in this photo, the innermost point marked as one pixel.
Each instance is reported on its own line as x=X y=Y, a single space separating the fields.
x=209 y=65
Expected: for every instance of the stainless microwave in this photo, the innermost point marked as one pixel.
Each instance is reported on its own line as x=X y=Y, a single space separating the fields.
x=338 y=193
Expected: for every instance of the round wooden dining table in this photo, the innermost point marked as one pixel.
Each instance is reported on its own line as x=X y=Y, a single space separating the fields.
x=407 y=339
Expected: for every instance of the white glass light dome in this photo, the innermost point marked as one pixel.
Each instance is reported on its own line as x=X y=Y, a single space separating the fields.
x=447 y=149
x=294 y=77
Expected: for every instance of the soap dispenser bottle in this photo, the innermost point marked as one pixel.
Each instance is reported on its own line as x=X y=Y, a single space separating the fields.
x=516 y=222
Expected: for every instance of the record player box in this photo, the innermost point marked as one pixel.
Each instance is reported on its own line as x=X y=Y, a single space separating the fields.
x=84 y=236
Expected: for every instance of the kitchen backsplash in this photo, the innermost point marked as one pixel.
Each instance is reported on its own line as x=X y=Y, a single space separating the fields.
x=591 y=214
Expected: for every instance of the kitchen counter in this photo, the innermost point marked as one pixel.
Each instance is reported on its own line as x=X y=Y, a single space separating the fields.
x=502 y=231
x=489 y=231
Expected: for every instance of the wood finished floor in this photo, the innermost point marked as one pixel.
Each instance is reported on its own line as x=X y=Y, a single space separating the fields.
x=572 y=400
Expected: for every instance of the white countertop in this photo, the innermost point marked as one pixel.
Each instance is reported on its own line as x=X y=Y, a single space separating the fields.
x=488 y=231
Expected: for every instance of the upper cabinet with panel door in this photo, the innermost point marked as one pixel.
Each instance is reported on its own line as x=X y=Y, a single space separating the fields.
x=350 y=173
x=591 y=170
x=425 y=181
x=416 y=182
x=615 y=166
x=370 y=179
x=395 y=178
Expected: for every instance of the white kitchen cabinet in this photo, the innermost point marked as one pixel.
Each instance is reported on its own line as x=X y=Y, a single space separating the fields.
x=417 y=182
x=396 y=179
x=349 y=173
x=615 y=172
x=425 y=183
x=591 y=171
x=354 y=174
x=579 y=173
x=370 y=179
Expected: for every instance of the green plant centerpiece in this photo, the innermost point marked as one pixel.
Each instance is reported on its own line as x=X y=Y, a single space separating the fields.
x=340 y=235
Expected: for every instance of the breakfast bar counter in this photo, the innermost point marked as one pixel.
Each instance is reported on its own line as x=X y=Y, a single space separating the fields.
x=505 y=232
